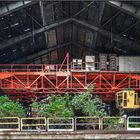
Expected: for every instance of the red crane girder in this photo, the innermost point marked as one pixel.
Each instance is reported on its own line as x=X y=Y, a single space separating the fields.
x=28 y=81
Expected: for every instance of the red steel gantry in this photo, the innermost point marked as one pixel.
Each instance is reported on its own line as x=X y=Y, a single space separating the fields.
x=26 y=81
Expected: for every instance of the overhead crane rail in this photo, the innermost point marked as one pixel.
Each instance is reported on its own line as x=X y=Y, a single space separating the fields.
x=26 y=81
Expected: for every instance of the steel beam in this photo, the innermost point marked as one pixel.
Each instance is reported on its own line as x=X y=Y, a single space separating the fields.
x=101 y=11
x=14 y=6
x=109 y=20
x=41 y=53
x=29 y=34
x=115 y=37
x=130 y=27
x=83 y=9
x=129 y=9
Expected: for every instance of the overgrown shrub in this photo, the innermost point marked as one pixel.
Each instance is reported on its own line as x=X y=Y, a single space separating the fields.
x=64 y=106
x=9 y=108
x=89 y=105
x=54 y=106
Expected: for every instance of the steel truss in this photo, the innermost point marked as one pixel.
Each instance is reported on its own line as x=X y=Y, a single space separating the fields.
x=28 y=81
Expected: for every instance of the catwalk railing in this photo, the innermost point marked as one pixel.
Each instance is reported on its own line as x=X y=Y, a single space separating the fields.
x=70 y=124
x=26 y=84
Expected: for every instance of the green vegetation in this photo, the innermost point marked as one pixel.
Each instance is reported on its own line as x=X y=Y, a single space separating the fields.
x=9 y=108
x=55 y=106
x=89 y=105
x=112 y=122
x=66 y=105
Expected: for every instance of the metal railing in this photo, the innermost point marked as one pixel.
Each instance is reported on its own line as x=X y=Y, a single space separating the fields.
x=9 y=124
x=113 y=123
x=133 y=123
x=46 y=68
x=69 y=124
x=60 y=124
x=33 y=124
x=87 y=123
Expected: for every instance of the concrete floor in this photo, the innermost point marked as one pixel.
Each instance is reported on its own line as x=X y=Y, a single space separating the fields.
x=71 y=135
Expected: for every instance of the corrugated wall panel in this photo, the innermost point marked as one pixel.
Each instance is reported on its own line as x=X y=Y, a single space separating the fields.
x=52 y=38
x=75 y=33
x=54 y=56
x=88 y=38
x=67 y=33
x=60 y=35
x=48 y=13
x=81 y=35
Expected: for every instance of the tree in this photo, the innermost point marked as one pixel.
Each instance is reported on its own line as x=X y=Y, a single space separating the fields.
x=9 y=108
x=63 y=105
x=88 y=104
x=55 y=106
x=94 y=107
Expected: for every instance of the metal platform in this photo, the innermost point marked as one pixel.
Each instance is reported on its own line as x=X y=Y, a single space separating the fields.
x=26 y=81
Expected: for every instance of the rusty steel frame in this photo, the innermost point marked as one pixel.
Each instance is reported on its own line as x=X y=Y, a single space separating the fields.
x=26 y=81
